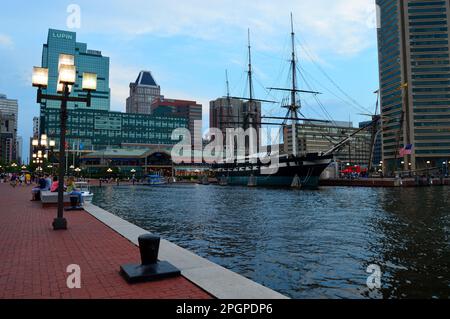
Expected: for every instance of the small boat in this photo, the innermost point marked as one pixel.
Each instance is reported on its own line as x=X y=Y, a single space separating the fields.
x=83 y=187
x=155 y=180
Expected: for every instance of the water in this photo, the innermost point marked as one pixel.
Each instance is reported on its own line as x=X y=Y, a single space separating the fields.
x=304 y=244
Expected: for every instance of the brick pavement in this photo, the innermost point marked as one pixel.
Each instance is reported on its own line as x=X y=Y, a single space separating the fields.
x=34 y=258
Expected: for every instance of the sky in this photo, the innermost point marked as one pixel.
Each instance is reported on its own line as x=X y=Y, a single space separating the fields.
x=189 y=44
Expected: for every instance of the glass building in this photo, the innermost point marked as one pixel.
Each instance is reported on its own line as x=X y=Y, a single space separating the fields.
x=64 y=42
x=89 y=130
x=414 y=67
x=96 y=127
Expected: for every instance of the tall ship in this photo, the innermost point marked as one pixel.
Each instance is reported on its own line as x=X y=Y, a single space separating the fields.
x=297 y=169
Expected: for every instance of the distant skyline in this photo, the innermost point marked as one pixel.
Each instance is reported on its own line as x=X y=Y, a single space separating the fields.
x=188 y=45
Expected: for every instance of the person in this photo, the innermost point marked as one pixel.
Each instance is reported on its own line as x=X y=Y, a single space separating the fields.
x=48 y=182
x=72 y=190
x=13 y=180
x=22 y=179
x=55 y=185
x=36 y=192
x=28 y=178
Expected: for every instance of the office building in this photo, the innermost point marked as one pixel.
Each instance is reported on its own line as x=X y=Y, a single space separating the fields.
x=19 y=149
x=9 y=110
x=36 y=126
x=190 y=110
x=91 y=61
x=317 y=138
x=377 y=157
x=230 y=113
x=414 y=67
x=143 y=92
x=89 y=130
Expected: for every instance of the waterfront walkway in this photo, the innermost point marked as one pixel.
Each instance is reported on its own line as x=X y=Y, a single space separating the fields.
x=34 y=258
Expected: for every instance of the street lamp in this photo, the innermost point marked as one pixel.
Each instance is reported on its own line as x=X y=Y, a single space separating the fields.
x=66 y=79
x=42 y=146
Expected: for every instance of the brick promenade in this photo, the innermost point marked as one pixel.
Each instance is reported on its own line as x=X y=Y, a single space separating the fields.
x=34 y=258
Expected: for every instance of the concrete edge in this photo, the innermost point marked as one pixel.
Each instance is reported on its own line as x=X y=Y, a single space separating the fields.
x=214 y=279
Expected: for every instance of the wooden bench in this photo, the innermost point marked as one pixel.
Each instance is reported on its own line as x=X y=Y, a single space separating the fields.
x=50 y=199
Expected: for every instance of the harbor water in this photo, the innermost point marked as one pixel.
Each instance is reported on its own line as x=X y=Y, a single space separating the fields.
x=304 y=243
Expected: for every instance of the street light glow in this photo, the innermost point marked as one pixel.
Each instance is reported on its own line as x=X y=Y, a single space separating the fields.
x=66 y=59
x=67 y=74
x=89 y=82
x=40 y=77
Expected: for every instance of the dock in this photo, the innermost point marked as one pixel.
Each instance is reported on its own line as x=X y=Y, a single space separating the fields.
x=387 y=182
x=34 y=258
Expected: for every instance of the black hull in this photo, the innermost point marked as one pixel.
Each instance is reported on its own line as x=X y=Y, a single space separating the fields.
x=306 y=170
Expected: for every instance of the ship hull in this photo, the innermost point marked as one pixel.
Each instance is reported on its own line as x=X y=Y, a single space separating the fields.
x=304 y=170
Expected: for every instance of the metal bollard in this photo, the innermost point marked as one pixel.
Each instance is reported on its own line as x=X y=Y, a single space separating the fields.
x=149 y=248
x=150 y=268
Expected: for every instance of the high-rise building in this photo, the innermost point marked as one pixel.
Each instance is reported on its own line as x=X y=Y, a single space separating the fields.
x=190 y=110
x=142 y=94
x=19 y=149
x=91 y=61
x=414 y=67
x=36 y=126
x=231 y=113
x=96 y=127
x=9 y=110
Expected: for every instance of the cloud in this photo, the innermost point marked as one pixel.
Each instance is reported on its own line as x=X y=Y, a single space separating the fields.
x=6 y=41
x=332 y=26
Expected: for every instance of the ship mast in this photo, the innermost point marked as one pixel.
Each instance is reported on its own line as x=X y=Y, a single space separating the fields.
x=294 y=107
x=249 y=112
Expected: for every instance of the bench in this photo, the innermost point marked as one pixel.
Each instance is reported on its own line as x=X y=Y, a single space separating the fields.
x=50 y=199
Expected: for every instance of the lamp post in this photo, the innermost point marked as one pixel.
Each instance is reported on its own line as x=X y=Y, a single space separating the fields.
x=42 y=148
x=66 y=79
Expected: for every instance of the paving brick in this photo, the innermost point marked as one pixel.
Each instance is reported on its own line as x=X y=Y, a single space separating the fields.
x=34 y=258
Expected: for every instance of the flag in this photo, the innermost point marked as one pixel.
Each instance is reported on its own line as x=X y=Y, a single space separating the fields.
x=407 y=150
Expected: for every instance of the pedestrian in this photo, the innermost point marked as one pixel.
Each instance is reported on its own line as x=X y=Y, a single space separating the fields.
x=28 y=179
x=13 y=180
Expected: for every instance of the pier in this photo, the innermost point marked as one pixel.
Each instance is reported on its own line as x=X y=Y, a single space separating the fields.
x=35 y=258
x=386 y=182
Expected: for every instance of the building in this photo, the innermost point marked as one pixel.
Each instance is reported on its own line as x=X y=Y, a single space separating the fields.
x=9 y=110
x=226 y=113
x=414 y=67
x=190 y=110
x=142 y=94
x=96 y=128
x=89 y=130
x=91 y=61
x=377 y=147
x=19 y=149
x=36 y=126
x=316 y=138
x=143 y=160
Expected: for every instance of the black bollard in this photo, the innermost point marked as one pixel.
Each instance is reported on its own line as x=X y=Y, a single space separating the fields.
x=150 y=268
x=149 y=248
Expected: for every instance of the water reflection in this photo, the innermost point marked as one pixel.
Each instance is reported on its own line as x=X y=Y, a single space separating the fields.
x=305 y=244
